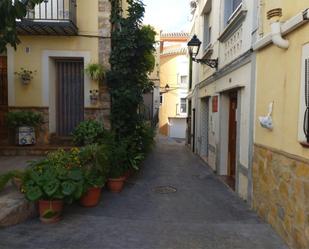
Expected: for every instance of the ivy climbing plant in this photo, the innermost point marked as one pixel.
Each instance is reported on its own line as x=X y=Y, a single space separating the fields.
x=131 y=62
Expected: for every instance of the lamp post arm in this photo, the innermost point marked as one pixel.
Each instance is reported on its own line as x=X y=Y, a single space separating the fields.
x=213 y=63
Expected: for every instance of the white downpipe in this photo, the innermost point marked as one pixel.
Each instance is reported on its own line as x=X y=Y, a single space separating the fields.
x=276 y=36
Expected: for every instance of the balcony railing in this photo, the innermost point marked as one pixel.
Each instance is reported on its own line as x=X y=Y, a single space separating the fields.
x=52 y=17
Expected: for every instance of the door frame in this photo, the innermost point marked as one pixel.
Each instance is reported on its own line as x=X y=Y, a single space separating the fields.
x=5 y=132
x=68 y=60
x=232 y=135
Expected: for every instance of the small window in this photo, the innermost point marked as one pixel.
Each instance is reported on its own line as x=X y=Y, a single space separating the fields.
x=230 y=7
x=161 y=98
x=207 y=31
x=183 y=79
x=183 y=105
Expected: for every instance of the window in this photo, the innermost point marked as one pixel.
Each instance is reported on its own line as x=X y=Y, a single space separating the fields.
x=207 y=31
x=303 y=130
x=183 y=79
x=161 y=98
x=183 y=105
x=229 y=8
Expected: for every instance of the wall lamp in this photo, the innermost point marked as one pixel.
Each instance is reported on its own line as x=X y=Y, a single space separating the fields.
x=167 y=88
x=194 y=46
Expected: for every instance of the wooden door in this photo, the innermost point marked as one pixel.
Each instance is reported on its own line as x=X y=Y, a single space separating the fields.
x=232 y=135
x=70 y=95
x=3 y=97
x=193 y=130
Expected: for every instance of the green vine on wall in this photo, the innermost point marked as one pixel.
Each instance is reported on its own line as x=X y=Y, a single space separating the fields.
x=131 y=62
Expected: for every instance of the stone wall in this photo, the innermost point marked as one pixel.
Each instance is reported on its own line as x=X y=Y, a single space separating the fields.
x=98 y=114
x=104 y=28
x=281 y=194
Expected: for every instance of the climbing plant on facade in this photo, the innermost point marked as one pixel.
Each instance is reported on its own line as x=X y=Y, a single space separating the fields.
x=131 y=61
x=10 y=11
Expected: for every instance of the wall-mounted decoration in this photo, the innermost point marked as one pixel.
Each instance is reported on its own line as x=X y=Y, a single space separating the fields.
x=94 y=96
x=215 y=102
x=266 y=121
x=25 y=75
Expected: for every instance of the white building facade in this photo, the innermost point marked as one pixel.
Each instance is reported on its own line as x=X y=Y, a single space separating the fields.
x=221 y=100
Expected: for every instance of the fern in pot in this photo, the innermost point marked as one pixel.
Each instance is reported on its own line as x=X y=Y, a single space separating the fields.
x=95 y=71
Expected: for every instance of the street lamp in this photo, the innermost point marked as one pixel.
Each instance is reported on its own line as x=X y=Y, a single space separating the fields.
x=194 y=46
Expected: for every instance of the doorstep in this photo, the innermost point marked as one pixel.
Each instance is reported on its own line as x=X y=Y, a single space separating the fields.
x=14 y=208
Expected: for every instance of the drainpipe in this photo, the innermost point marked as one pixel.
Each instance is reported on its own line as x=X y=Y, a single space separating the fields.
x=276 y=35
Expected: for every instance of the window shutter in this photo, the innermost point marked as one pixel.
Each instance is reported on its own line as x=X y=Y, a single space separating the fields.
x=306 y=115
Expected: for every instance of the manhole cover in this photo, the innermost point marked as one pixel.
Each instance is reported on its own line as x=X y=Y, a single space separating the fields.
x=164 y=190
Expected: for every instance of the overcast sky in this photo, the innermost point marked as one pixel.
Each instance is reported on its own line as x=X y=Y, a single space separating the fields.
x=167 y=15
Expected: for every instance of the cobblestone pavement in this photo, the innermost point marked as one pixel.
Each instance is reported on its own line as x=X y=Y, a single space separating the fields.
x=201 y=214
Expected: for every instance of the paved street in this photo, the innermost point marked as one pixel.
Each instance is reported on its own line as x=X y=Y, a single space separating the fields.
x=201 y=214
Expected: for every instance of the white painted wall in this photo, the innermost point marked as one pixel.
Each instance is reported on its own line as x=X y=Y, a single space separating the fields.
x=177 y=127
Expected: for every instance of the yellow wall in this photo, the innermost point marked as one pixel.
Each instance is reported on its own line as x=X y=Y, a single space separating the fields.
x=87 y=23
x=168 y=75
x=279 y=80
x=289 y=9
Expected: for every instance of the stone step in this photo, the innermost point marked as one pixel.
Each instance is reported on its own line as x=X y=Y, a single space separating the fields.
x=14 y=208
x=35 y=150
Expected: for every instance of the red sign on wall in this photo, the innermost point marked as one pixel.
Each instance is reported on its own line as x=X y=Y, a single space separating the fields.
x=215 y=104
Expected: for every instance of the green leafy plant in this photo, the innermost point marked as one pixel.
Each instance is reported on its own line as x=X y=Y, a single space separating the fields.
x=131 y=62
x=94 y=158
x=25 y=74
x=118 y=159
x=57 y=177
x=95 y=71
x=24 y=118
x=10 y=13
x=88 y=132
x=6 y=177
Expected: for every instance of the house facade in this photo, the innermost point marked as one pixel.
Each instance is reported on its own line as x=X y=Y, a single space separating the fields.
x=221 y=99
x=281 y=156
x=58 y=40
x=173 y=84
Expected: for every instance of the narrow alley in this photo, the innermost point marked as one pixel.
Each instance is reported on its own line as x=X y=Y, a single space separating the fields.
x=195 y=211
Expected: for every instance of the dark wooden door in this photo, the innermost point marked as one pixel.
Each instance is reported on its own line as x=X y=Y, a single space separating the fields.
x=70 y=95
x=193 y=130
x=232 y=135
x=3 y=97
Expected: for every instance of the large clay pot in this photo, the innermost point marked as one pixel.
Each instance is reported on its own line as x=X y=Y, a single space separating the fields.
x=50 y=211
x=91 y=198
x=115 y=185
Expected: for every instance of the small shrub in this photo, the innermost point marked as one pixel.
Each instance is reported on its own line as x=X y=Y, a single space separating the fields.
x=24 y=118
x=88 y=132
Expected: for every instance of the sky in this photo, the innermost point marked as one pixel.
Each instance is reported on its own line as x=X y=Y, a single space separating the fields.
x=168 y=15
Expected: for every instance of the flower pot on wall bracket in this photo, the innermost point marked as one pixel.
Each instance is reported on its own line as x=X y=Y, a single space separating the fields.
x=25 y=81
x=25 y=135
x=94 y=96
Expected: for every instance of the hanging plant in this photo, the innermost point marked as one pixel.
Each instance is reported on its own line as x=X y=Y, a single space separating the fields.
x=95 y=71
x=25 y=75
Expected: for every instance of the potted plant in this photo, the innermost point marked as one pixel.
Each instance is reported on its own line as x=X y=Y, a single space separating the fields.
x=95 y=71
x=25 y=75
x=118 y=167
x=94 y=161
x=88 y=132
x=24 y=123
x=53 y=181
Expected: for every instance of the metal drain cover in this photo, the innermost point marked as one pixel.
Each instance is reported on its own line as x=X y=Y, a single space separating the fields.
x=164 y=190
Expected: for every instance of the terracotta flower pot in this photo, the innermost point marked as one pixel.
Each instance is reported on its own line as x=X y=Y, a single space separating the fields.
x=91 y=198
x=50 y=211
x=115 y=185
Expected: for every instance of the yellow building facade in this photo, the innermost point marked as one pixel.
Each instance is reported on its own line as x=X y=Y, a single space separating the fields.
x=173 y=85
x=281 y=153
x=58 y=41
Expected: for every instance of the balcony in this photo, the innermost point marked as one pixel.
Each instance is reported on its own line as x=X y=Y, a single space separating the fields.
x=52 y=17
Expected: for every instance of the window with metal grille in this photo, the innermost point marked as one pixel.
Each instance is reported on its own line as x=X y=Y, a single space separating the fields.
x=306 y=86
x=183 y=105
